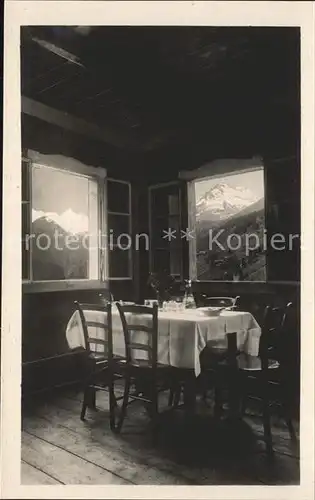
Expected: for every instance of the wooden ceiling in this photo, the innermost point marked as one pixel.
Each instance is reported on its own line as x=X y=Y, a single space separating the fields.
x=167 y=88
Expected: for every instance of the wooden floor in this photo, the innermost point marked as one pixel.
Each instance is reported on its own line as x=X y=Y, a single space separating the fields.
x=57 y=448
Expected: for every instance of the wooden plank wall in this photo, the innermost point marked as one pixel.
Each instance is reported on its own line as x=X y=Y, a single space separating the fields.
x=45 y=315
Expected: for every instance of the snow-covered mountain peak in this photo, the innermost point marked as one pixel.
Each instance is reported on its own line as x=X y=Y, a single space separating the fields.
x=223 y=201
x=70 y=221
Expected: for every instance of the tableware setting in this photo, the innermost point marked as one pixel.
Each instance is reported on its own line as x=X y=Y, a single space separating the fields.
x=126 y=303
x=150 y=302
x=211 y=311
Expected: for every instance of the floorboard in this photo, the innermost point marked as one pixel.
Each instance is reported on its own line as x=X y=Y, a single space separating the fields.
x=61 y=448
x=95 y=446
x=32 y=476
x=61 y=465
x=281 y=437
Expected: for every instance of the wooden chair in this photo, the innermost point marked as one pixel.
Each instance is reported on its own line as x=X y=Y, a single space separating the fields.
x=140 y=369
x=216 y=368
x=261 y=375
x=256 y=377
x=99 y=351
x=218 y=371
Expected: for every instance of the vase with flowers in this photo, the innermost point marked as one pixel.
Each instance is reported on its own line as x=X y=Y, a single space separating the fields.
x=162 y=283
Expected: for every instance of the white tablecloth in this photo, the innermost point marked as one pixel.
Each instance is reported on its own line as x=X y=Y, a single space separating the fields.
x=182 y=335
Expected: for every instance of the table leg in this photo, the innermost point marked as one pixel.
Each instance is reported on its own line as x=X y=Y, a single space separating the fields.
x=234 y=394
x=190 y=394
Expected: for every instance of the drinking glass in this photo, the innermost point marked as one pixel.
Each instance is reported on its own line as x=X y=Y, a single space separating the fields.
x=165 y=306
x=179 y=304
x=150 y=302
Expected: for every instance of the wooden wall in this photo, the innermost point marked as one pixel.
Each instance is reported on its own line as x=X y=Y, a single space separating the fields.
x=45 y=315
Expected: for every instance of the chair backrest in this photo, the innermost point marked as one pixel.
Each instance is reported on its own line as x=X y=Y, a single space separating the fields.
x=286 y=323
x=274 y=339
x=96 y=322
x=289 y=336
x=140 y=327
x=230 y=302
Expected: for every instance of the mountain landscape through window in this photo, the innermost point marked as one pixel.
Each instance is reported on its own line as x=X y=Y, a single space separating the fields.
x=230 y=227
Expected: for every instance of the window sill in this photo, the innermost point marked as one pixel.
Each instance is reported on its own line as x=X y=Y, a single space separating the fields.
x=235 y=283
x=58 y=286
x=120 y=279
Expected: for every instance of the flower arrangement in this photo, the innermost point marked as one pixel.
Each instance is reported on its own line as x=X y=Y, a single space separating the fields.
x=162 y=284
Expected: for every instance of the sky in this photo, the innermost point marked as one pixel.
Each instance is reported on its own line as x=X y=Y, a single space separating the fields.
x=254 y=181
x=61 y=196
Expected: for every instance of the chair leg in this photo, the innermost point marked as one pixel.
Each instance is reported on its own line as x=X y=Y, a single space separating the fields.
x=174 y=396
x=287 y=412
x=234 y=390
x=171 y=397
x=190 y=397
x=123 y=410
x=243 y=404
x=204 y=398
x=218 y=403
x=154 y=406
x=84 y=404
x=154 y=412
x=288 y=420
x=267 y=427
x=112 y=403
x=89 y=400
x=291 y=429
x=138 y=388
x=177 y=396
x=218 y=396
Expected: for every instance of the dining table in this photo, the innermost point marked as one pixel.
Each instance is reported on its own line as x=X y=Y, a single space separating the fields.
x=182 y=334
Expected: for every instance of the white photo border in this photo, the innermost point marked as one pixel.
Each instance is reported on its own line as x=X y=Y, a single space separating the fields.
x=19 y=13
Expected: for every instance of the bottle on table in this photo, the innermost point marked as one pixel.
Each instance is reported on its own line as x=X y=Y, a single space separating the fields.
x=189 y=300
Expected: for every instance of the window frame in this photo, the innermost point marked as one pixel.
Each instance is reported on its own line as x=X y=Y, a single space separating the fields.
x=152 y=187
x=217 y=169
x=129 y=215
x=66 y=164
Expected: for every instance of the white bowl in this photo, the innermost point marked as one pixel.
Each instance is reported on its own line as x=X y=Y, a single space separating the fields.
x=211 y=311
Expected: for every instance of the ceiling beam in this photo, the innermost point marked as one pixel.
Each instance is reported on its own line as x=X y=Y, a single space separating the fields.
x=72 y=123
x=64 y=54
x=79 y=126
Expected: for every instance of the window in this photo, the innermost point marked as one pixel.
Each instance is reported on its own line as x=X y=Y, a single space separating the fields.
x=119 y=229
x=62 y=218
x=227 y=214
x=165 y=251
